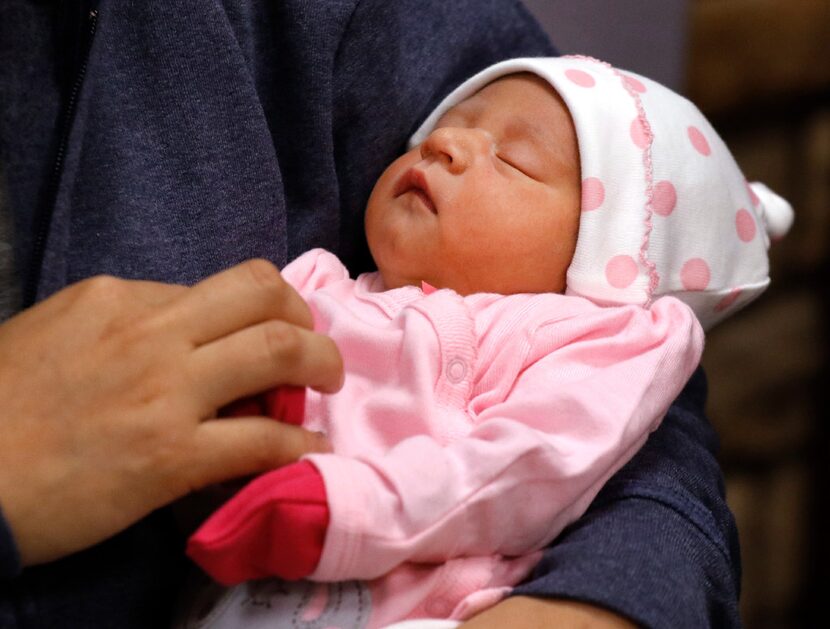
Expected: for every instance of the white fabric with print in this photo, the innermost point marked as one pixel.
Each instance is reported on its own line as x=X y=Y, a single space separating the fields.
x=665 y=208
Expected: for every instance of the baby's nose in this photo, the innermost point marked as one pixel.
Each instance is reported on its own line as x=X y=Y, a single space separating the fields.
x=457 y=147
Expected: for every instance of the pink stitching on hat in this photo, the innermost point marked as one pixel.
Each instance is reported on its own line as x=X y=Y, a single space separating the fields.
x=654 y=276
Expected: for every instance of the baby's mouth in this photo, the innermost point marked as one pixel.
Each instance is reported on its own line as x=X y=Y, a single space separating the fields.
x=414 y=181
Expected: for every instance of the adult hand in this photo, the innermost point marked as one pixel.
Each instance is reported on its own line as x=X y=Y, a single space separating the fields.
x=109 y=393
x=524 y=612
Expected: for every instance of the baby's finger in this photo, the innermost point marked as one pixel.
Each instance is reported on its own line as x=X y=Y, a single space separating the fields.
x=260 y=357
x=247 y=294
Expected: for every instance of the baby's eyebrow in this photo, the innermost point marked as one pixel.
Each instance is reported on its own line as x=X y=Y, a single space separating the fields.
x=460 y=113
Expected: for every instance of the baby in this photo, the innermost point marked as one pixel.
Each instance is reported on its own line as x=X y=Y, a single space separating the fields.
x=549 y=252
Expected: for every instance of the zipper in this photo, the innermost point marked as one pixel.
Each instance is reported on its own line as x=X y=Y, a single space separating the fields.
x=44 y=219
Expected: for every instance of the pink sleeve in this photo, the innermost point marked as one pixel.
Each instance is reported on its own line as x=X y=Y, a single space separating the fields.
x=532 y=462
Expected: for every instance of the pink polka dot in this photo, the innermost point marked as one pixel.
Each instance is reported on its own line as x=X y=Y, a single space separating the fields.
x=665 y=198
x=695 y=274
x=699 y=141
x=593 y=194
x=745 y=225
x=621 y=271
x=638 y=133
x=581 y=78
x=752 y=195
x=727 y=301
x=634 y=84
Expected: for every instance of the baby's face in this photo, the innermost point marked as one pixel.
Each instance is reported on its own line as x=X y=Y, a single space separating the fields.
x=489 y=202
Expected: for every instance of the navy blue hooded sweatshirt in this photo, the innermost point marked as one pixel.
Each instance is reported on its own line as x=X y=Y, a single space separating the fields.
x=170 y=139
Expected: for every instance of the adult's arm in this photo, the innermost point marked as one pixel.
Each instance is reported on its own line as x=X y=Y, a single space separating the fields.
x=110 y=390
x=659 y=545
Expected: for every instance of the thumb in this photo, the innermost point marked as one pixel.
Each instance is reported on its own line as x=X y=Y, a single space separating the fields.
x=229 y=448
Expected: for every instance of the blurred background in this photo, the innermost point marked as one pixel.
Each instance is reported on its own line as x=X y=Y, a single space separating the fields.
x=760 y=70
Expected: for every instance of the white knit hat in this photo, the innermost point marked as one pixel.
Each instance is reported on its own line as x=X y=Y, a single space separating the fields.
x=665 y=208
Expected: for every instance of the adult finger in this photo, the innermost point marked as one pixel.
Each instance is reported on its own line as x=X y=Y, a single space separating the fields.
x=244 y=295
x=262 y=356
x=230 y=448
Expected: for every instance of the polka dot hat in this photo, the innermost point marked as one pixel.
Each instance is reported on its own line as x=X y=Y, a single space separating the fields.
x=665 y=208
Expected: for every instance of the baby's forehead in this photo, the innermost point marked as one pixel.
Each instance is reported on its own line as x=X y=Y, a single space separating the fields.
x=511 y=91
x=522 y=106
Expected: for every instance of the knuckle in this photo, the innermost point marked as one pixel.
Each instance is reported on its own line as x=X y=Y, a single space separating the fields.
x=153 y=386
x=282 y=341
x=260 y=453
x=264 y=274
x=264 y=453
x=108 y=298
x=102 y=288
x=153 y=445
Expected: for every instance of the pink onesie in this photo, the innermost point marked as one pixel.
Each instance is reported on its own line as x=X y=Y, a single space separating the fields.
x=471 y=430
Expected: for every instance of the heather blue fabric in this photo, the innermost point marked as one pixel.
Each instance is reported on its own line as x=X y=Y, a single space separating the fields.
x=205 y=133
x=9 y=558
x=658 y=544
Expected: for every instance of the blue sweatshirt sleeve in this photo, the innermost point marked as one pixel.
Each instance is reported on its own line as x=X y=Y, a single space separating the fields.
x=659 y=544
x=9 y=557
